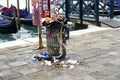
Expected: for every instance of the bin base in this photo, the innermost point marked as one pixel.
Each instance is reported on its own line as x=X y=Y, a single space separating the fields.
x=62 y=53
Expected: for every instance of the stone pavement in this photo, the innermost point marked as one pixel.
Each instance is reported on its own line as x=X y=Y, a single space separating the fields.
x=98 y=55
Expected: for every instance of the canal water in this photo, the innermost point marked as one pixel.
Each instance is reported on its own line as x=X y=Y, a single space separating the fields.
x=30 y=32
x=25 y=32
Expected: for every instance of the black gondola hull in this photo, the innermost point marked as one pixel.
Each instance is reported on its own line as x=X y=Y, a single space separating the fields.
x=9 y=28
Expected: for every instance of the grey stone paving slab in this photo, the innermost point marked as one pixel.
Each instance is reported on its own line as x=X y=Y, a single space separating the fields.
x=110 y=78
x=117 y=75
x=2 y=57
x=87 y=77
x=28 y=71
x=21 y=49
x=4 y=67
x=25 y=56
x=11 y=55
x=97 y=58
x=17 y=63
x=9 y=74
x=80 y=49
x=23 y=78
x=115 y=62
x=93 y=67
x=102 y=74
x=70 y=77
x=38 y=75
x=24 y=52
x=101 y=45
x=104 y=56
x=112 y=67
x=91 y=59
x=113 y=53
x=65 y=77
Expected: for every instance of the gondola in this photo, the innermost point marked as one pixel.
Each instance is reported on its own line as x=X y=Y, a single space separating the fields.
x=25 y=16
x=105 y=7
x=8 y=26
x=116 y=6
x=27 y=20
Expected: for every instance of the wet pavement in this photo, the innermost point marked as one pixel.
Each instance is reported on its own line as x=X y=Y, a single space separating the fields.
x=97 y=53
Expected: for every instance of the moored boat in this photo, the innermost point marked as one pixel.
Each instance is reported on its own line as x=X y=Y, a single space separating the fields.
x=106 y=5
x=8 y=26
x=25 y=16
x=26 y=20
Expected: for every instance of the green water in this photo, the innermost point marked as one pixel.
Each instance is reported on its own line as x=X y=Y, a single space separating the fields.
x=25 y=32
x=117 y=17
x=28 y=32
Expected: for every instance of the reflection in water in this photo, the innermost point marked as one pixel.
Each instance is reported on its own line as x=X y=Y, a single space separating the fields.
x=25 y=32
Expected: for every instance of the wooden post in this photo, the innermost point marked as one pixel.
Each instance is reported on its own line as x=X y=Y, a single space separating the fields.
x=18 y=15
x=40 y=37
x=7 y=3
x=104 y=5
x=26 y=5
x=29 y=6
x=111 y=9
x=37 y=19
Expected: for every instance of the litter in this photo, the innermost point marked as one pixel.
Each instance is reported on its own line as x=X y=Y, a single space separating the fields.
x=48 y=63
x=46 y=60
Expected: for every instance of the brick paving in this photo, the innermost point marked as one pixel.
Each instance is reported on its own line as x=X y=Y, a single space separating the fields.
x=98 y=55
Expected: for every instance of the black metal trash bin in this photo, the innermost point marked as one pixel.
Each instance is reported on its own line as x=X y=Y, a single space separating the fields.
x=54 y=48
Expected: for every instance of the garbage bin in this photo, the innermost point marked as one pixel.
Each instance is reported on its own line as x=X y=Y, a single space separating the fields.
x=55 y=34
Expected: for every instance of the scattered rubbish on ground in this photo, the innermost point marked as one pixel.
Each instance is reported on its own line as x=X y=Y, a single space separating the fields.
x=47 y=60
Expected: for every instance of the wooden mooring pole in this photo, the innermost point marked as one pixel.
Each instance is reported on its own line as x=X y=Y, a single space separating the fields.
x=26 y=4
x=29 y=6
x=7 y=3
x=40 y=37
x=18 y=15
